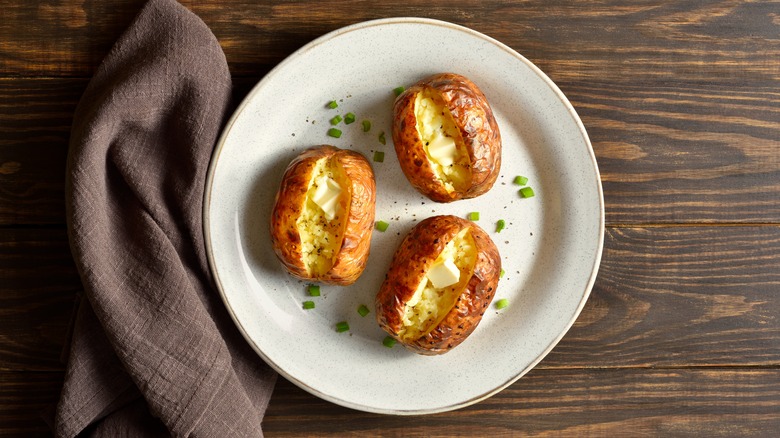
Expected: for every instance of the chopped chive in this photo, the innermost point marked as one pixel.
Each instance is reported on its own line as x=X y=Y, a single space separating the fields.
x=521 y=180
x=382 y=137
x=500 y=225
x=501 y=274
x=333 y=132
x=382 y=226
x=342 y=326
x=500 y=304
x=526 y=192
x=308 y=305
x=335 y=120
x=474 y=216
x=389 y=342
x=363 y=310
x=366 y=125
x=333 y=104
x=314 y=290
x=379 y=156
x=349 y=118
x=398 y=91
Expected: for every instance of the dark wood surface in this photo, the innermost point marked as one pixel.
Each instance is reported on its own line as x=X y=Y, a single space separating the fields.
x=681 y=99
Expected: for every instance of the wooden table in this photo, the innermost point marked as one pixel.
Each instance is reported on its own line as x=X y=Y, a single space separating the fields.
x=681 y=99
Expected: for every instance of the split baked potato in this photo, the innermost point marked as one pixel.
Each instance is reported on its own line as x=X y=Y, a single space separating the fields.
x=323 y=215
x=441 y=281
x=446 y=138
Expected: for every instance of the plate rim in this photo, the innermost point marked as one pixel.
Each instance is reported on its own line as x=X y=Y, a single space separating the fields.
x=216 y=153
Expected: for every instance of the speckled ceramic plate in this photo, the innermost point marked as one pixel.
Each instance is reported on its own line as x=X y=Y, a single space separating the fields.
x=550 y=249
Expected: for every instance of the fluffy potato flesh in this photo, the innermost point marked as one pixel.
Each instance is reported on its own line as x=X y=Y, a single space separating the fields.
x=442 y=141
x=322 y=221
x=429 y=305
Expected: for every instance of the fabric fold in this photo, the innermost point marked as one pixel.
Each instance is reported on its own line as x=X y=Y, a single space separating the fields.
x=153 y=329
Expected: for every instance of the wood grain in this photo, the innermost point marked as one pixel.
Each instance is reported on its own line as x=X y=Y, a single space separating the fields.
x=693 y=154
x=26 y=399
x=665 y=297
x=684 y=155
x=38 y=285
x=680 y=296
x=724 y=42
x=681 y=100
x=35 y=119
x=685 y=402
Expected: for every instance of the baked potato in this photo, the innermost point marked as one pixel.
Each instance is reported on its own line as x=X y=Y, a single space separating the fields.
x=323 y=215
x=441 y=281
x=446 y=138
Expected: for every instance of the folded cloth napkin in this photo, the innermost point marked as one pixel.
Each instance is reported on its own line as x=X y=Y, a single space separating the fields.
x=154 y=351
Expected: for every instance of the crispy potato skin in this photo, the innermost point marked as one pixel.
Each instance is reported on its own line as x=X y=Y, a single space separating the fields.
x=478 y=127
x=290 y=200
x=411 y=262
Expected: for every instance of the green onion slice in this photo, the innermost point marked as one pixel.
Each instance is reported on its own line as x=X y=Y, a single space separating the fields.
x=500 y=304
x=500 y=225
x=382 y=226
x=366 y=125
x=474 y=216
x=342 y=326
x=333 y=132
x=382 y=137
x=398 y=91
x=363 y=310
x=308 y=305
x=349 y=118
x=379 y=156
x=527 y=192
x=389 y=342
x=314 y=290
x=501 y=274
x=333 y=104
x=521 y=180
x=335 y=120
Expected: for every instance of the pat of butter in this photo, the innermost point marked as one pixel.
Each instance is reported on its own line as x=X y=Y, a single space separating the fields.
x=326 y=196
x=442 y=150
x=444 y=273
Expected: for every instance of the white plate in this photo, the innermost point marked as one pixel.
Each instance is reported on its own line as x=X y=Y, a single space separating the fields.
x=550 y=249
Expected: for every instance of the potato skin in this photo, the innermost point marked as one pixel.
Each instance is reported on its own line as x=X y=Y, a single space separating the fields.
x=473 y=116
x=411 y=262
x=290 y=200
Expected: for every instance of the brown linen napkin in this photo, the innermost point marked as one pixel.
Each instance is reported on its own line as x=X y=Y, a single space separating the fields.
x=153 y=339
